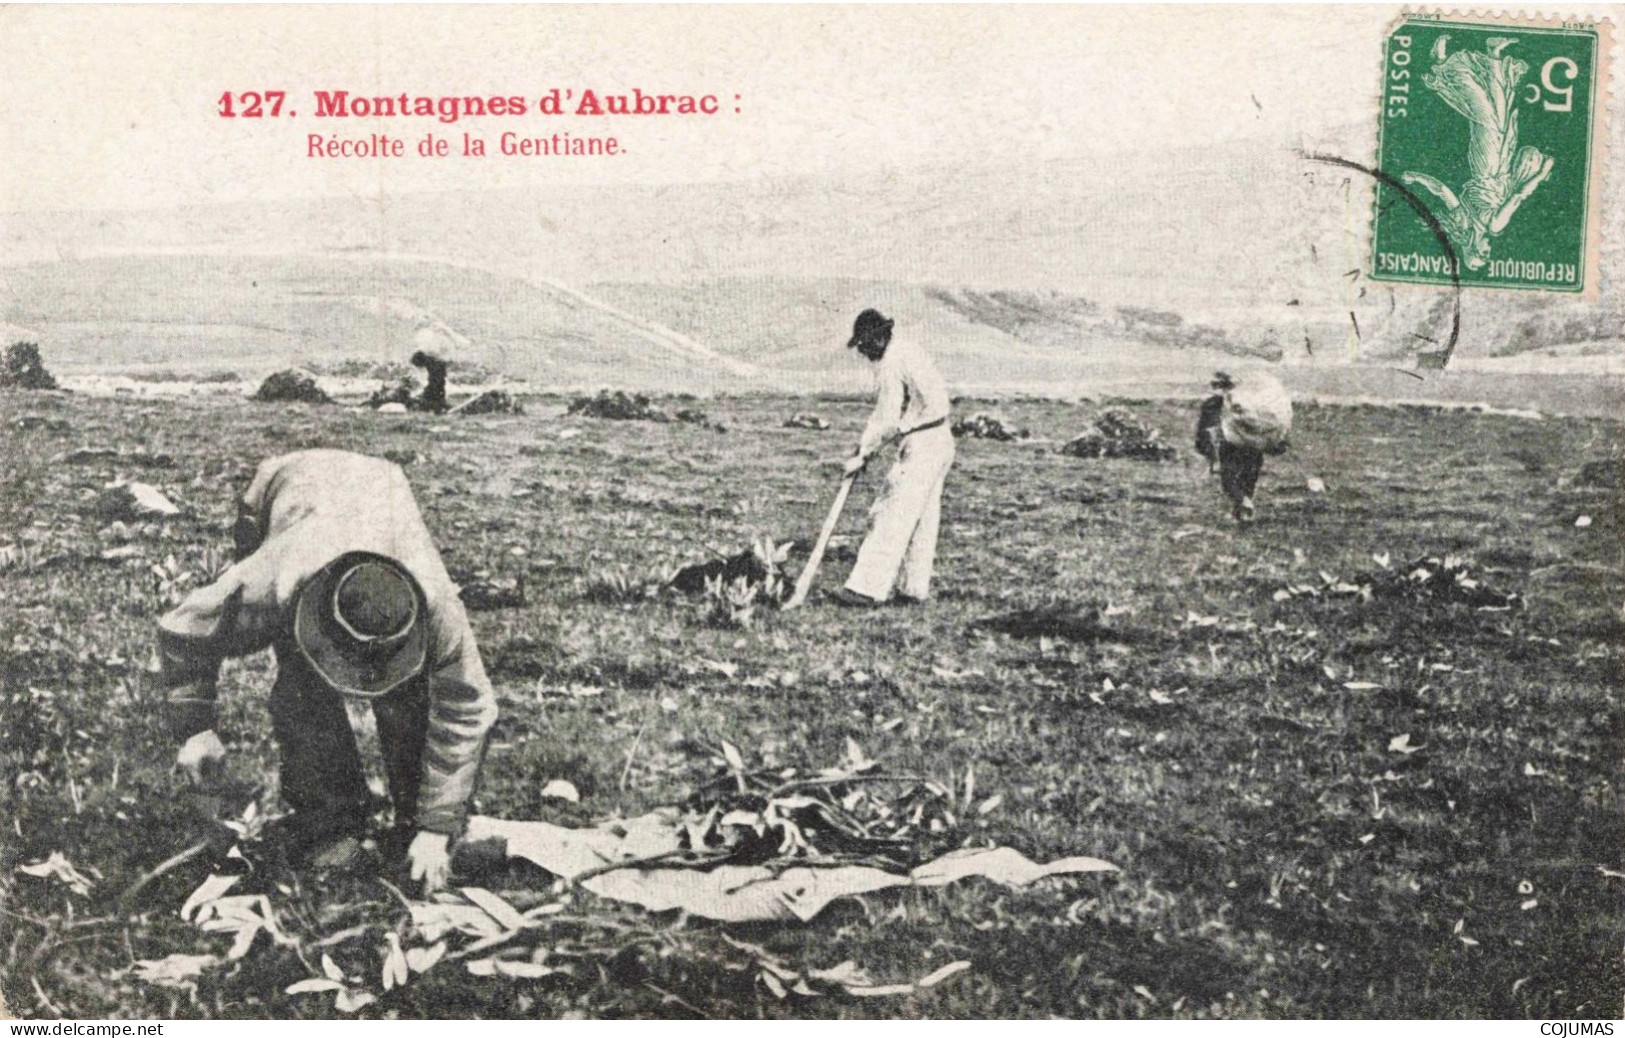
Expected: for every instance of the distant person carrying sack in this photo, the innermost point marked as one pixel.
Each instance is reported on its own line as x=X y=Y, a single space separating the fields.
x=911 y=407
x=1246 y=419
x=339 y=575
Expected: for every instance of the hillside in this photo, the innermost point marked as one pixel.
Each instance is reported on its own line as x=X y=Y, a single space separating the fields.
x=1247 y=238
x=1052 y=276
x=1069 y=347
x=253 y=313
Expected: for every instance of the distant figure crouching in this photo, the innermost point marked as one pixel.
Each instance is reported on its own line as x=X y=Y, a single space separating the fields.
x=433 y=399
x=1246 y=419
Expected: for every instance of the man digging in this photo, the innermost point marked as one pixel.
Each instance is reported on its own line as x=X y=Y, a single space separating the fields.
x=339 y=575
x=911 y=408
x=1246 y=419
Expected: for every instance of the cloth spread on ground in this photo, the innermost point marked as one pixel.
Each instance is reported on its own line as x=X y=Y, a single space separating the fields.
x=737 y=893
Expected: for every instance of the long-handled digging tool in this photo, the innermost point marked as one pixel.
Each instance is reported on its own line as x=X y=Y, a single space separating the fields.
x=810 y=570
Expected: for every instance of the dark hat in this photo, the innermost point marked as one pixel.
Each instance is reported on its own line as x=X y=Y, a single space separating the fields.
x=1221 y=380
x=869 y=325
x=361 y=622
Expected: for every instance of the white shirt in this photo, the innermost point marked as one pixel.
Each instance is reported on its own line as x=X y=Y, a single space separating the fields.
x=909 y=392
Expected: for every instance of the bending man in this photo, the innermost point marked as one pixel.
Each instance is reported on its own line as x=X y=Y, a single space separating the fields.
x=338 y=574
x=911 y=407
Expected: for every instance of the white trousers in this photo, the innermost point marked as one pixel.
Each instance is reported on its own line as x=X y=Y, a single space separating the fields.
x=904 y=520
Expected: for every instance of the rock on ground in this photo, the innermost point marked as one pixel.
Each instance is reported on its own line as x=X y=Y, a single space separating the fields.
x=293 y=384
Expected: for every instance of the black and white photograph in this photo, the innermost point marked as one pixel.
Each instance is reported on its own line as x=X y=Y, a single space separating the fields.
x=919 y=512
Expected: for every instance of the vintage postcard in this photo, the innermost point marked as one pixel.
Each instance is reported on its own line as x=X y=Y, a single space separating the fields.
x=905 y=512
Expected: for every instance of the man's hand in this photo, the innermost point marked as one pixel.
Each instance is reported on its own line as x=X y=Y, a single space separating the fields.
x=430 y=859
x=855 y=464
x=201 y=756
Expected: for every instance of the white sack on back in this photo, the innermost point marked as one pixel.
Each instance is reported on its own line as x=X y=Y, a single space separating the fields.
x=1258 y=413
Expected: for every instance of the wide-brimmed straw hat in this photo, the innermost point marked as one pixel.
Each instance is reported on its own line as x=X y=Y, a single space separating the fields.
x=361 y=623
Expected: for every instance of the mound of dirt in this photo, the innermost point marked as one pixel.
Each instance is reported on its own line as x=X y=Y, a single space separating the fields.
x=620 y=406
x=982 y=426
x=492 y=401
x=293 y=385
x=24 y=369
x=1118 y=434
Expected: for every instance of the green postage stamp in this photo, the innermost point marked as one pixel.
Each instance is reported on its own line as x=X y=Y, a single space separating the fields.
x=1490 y=143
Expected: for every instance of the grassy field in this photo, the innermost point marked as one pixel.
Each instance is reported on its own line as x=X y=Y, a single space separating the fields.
x=1231 y=748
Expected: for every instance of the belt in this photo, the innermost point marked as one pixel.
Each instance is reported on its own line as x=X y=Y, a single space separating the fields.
x=905 y=434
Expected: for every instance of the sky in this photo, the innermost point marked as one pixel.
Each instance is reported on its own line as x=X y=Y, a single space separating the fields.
x=116 y=107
